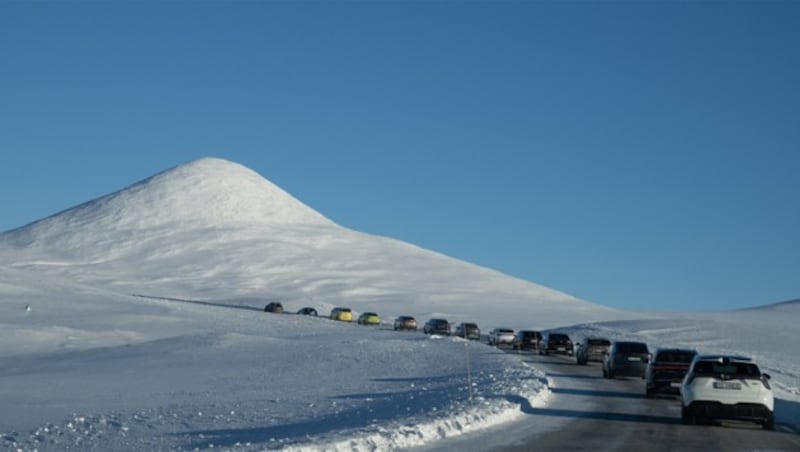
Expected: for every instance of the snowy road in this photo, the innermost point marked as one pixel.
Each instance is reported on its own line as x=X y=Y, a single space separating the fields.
x=602 y=414
x=588 y=412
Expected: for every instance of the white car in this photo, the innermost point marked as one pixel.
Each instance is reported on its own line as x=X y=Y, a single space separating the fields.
x=726 y=387
x=499 y=336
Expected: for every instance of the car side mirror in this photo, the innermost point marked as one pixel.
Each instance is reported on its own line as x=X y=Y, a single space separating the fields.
x=767 y=376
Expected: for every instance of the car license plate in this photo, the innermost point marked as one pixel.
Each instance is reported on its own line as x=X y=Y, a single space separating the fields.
x=675 y=385
x=727 y=385
x=561 y=349
x=634 y=358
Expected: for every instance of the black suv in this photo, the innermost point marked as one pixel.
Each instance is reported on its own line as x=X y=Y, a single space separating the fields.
x=307 y=311
x=274 y=307
x=527 y=339
x=558 y=343
x=468 y=331
x=437 y=326
x=666 y=370
x=626 y=359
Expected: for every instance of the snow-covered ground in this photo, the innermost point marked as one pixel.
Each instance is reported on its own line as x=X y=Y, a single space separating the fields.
x=135 y=322
x=103 y=372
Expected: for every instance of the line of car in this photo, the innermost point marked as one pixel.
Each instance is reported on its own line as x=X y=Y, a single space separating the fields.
x=337 y=313
x=467 y=330
x=710 y=387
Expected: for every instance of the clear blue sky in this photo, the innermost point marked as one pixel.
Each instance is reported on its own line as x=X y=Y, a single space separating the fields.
x=634 y=154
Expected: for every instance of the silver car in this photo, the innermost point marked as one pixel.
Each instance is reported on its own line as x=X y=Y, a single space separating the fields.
x=591 y=349
x=500 y=336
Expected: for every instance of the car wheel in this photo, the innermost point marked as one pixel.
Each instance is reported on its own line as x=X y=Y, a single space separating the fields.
x=686 y=416
x=769 y=424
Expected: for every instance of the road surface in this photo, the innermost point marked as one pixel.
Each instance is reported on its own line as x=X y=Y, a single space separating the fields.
x=588 y=412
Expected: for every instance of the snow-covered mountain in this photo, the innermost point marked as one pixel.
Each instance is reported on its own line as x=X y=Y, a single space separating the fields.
x=87 y=366
x=212 y=229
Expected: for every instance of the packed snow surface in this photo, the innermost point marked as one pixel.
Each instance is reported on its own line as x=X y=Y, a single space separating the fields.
x=135 y=322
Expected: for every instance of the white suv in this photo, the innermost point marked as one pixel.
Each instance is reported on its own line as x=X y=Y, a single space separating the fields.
x=499 y=336
x=726 y=387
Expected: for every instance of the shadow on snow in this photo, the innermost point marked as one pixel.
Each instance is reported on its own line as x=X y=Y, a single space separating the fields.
x=527 y=408
x=431 y=395
x=595 y=393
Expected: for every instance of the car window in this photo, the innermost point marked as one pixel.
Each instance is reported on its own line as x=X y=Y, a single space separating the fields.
x=631 y=347
x=675 y=357
x=599 y=342
x=729 y=370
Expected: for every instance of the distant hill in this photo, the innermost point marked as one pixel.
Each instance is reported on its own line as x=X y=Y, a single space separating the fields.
x=783 y=305
x=212 y=229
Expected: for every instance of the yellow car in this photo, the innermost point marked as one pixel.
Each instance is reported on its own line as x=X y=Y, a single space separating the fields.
x=342 y=314
x=369 y=318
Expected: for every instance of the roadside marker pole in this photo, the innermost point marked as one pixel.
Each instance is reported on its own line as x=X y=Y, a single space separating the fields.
x=469 y=372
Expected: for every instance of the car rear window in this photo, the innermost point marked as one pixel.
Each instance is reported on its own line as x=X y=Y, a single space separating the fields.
x=558 y=337
x=726 y=370
x=599 y=342
x=631 y=347
x=675 y=357
x=501 y=330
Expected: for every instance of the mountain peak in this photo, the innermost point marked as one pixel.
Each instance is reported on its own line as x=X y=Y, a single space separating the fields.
x=215 y=191
x=203 y=193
